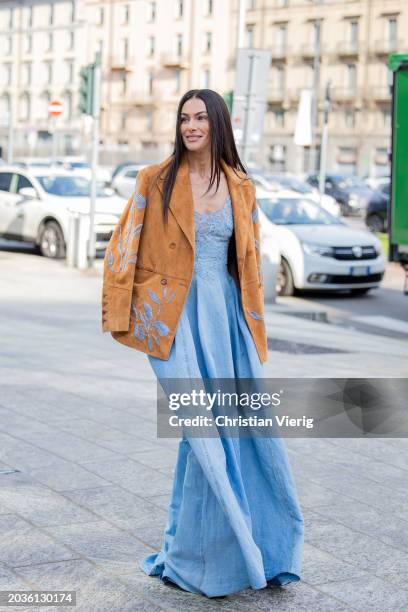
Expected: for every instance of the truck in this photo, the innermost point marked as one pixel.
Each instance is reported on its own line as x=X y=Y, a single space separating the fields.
x=398 y=201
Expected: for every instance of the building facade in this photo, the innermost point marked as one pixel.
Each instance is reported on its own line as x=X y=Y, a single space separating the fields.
x=346 y=43
x=154 y=51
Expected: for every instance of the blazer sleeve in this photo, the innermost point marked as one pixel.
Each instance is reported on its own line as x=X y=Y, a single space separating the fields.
x=120 y=260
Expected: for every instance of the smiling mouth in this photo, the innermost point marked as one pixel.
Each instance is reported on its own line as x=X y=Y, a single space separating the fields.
x=193 y=137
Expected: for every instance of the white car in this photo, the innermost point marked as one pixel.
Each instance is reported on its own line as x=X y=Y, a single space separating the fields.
x=319 y=251
x=81 y=167
x=36 y=207
x=276 y=182
x=124 y=181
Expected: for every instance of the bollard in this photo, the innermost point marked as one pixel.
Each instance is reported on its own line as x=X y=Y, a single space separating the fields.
x=77 y=244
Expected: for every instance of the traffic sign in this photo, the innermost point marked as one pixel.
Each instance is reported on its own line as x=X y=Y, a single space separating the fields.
x=55 y=108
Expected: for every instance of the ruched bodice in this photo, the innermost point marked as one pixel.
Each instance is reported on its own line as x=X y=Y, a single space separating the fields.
x=213 y=231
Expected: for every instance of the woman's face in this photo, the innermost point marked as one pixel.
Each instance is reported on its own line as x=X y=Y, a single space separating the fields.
x=194 y=126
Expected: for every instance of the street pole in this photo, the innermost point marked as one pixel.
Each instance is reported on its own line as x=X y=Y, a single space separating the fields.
x=96 y=104
x=54 y=140
x=315 y=102
x=325 y=138
x=10 y=136
x=247 y=109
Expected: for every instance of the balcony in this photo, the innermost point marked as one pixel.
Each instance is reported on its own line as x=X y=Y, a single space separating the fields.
x=121 y=63
x=345 y=94
x=171 y=59
x=280 y=52
x=308 y=51
x=348 y=48
x=142 y=98
x=385 y=47
x=380 y=94
x=276 y=95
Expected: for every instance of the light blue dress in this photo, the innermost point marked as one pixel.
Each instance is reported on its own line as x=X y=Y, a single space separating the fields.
x=234 y=519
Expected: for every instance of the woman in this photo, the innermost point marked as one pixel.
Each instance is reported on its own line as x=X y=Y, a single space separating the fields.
x=234 y=519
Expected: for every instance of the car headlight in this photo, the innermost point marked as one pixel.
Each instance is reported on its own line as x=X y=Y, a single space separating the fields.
x=317 y=249
x=354 y=199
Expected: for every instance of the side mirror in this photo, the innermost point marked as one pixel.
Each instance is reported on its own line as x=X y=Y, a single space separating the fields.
x=109 y=191
x=28 y=193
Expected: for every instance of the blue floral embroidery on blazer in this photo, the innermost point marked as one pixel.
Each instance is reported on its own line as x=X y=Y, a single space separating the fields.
x=147 y=324
x=132 y=230
x=255 y=215
x=255 y=315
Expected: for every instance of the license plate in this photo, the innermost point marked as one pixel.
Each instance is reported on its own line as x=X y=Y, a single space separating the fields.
x=359 y=270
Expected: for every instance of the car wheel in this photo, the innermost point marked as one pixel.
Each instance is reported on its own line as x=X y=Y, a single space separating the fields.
x=52 y=242
x=360 y=291
x=284 y=279
x=375 y=223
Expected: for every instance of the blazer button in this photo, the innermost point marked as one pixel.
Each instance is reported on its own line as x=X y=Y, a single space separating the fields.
x=172 y=245
x=164 y=281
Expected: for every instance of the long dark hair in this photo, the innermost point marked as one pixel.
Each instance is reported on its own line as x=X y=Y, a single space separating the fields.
x=221 y=138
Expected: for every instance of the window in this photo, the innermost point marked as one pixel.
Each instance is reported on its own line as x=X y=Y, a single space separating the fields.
x=280 y=77
x=392 y=31
x=124 y=83
x=317 y=33
x=277 y=157
x=51 y=14
x=279 y=115
x=30 y=16
x=350 y=118
x=73 y=11
x=71 y=41
x=179 y=8
x=22 y=182
x=151 y=45
x=250 y=37
x=49 y=72
x=149 y=121
x=7 y=72
x=151 y=11
x=178 y=80
x=125 y=14
x=27 y=73
x=207 y=42
x=25 y=107
x=9 y=45
x=45 y=101
x=150 y=81
x=206 y=79
x=131 y=174
x=50 y=41
x=386 y=117
x=125 y=49
x=208 y=8
x=351 y=77
x=69 y=71
x=282 y=37
x=251 y=5
x=354 y=34
x=179 y=44
x=5 y=180
x=101 y=16
x=29 y=43
x=11 y=19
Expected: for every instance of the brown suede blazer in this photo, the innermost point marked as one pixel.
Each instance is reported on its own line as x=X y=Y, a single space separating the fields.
x=148 y=266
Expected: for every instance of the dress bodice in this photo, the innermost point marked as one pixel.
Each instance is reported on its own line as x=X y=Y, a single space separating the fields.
x=213 y=231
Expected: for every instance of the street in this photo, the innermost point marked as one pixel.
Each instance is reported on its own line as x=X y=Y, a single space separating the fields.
x=85 y=483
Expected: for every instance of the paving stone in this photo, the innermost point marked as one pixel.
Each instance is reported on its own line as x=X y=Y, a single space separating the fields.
x=104 y=544
x=319 y=566
x=370 y=593
x=39 y=504
x=132 y=476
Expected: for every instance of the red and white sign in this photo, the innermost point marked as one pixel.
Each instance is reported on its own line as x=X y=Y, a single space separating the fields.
x=55 y=108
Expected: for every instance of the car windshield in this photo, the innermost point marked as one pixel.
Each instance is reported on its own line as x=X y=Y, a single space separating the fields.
x=68 y=186
x=296 y=211
x=350 y=182
x=290 y=183
x=79 y=164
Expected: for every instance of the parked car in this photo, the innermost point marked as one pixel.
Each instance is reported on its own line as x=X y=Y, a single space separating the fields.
x=375 y=182
x=287 y=181
x=125 y=179
x=36 y=207
x=348 y=190
x=34 y=162
x=318 y=250
x=81 y=167
x=377 y=209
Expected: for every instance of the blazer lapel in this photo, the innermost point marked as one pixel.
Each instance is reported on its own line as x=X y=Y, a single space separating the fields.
x=240 y=212
x=182 y=206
